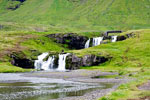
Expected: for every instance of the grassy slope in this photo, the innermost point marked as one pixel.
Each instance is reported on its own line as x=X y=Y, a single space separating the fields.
x=134 y=51
x=23 y=41
x=130 y=58
x=81 y=15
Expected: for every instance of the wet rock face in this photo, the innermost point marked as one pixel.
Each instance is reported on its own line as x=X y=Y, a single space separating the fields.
x=121 y=37
x=73 y=62
x=20 y=60
x=73 y=40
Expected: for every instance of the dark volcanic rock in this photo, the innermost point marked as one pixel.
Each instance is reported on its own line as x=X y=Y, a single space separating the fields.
x=19 y=0
x=73 y=62
x=124 y=37
x=73 y=40
x=121 y=38
x=91 y=60
x=13 y=5
x=19 y=59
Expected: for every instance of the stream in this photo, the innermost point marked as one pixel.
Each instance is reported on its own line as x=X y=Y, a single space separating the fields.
x=18 y=87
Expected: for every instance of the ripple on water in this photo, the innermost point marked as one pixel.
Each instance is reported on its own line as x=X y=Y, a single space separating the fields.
x=45 y=91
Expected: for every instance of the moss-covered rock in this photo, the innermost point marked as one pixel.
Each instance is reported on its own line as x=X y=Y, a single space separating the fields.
x=74 y=62
x=19 y=59
x=70 y=40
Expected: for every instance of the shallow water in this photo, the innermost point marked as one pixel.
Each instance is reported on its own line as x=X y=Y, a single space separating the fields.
x=19 y=87
x=45 y=91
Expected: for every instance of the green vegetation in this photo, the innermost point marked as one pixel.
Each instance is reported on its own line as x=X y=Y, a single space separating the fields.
x=24 y=29
x=88 y=15
x=6 y=67
x=130 y=90
x=130 y=58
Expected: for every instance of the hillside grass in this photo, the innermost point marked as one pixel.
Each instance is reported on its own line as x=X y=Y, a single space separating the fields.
x=26 y=42
x=6 y=67
x=134 y=52
x=80 y=15
x=130 y=58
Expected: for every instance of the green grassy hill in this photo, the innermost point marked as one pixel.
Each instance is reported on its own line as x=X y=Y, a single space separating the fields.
x=24 y=29
x=80 y=14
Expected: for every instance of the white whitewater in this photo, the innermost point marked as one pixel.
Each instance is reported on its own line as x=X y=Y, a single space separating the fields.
x=97 y=41
x=48 y=65
x=114 y=38
x=38 y=63
x=87 y=44
x=45 y=65
x=62 y=62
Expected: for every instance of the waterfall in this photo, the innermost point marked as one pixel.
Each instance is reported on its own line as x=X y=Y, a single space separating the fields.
x=48 y=65
x=45 y=65
x=114 y=38
x=38 y=63
x=97 y=41
x=87 y=43
x=62 y=62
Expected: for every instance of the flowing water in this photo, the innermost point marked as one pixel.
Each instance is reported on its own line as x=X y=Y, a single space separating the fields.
x=48 y=65
x=97 y=41
x=62 y=62
x=40 y=64
x=17 y=87
x=114 y=38
x=87 y=44
x=45 y=91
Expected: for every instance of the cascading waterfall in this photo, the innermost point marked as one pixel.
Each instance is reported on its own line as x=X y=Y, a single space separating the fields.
x=38 y=63
x=97 y=41
x=87 y=44
x=114 y=38
x=45 y=65
x=62 y=62
x=48 y=65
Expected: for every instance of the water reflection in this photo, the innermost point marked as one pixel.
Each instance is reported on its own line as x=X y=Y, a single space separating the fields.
x=46 y=91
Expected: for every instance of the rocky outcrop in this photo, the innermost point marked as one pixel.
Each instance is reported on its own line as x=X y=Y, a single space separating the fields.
x=73 y=62
x=124 y=37
x=14 y=4
x=108 y=32
x=120 y=37
x=72 y=40
x=20 y=60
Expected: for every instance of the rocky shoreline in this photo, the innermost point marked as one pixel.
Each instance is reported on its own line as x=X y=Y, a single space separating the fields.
x=84 y=76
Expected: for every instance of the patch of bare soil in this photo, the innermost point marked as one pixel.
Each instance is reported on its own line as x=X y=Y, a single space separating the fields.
x=17 y=47
x=145 y=86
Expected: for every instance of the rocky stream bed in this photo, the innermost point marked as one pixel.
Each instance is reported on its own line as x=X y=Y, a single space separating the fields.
x=45 y=85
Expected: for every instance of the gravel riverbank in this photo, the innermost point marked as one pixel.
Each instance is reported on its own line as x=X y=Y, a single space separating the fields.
x=80 y=79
